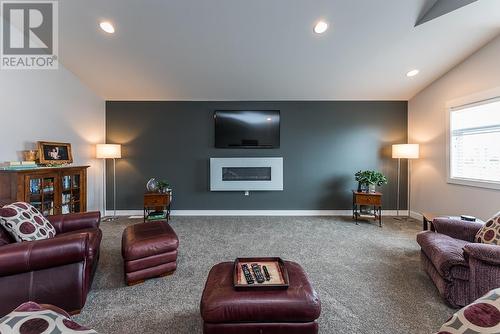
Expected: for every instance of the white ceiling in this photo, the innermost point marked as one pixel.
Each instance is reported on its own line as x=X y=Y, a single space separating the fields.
x=265 y=49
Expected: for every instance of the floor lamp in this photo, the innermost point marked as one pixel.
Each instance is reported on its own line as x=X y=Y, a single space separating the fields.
x=405 y=151
x=109 y=151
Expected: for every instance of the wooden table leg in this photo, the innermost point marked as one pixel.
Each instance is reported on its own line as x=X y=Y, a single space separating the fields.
x=380 y=216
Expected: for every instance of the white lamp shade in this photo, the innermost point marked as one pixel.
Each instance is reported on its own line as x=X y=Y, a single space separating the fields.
x=108 y=151
x=405 y=151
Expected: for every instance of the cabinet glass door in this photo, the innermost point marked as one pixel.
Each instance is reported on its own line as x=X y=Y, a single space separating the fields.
x=71 y=188
x=41 y=193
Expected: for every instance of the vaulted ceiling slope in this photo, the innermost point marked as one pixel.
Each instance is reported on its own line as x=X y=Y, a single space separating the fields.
x=266 y=50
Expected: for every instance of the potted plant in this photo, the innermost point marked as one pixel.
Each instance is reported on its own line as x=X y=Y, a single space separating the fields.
x=368 y=179
x=163 y=186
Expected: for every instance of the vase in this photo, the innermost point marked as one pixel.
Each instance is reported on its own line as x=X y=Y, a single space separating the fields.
x=371 y=188
x=29 y=155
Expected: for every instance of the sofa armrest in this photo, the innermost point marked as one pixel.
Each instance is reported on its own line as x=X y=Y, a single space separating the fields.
x=483 y=252
x=484 y=264
x=29 y=256
x=457 y=228
x=75 y=221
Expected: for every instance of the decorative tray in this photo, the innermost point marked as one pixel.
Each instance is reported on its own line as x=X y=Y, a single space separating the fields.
x=278 y=275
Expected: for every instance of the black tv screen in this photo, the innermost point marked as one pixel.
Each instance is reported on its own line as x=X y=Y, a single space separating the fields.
x=247 y=128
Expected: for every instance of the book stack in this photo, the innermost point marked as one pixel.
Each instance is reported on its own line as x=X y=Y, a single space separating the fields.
x=18 y=165
x=156 y=215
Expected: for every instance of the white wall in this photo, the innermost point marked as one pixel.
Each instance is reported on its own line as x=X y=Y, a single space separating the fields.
x=427 y=126
x=52 y=105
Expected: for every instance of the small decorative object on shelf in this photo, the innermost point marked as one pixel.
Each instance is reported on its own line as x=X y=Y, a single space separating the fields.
x=368 y=179
x=30 y=155
x=152 y=185
x=50 y=153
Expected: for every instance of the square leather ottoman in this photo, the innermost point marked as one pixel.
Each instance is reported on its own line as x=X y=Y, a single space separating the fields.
x=228 y=311
x=149 y=250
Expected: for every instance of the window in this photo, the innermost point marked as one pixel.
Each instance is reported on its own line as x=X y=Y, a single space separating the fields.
x=474 y=146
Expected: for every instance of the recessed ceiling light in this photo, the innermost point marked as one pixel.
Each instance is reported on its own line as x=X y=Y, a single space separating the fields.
x=320 y=27
x=107 y=27
x=412 y=73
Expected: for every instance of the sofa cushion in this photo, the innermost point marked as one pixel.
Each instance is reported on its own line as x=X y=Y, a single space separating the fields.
x=31 y=317
x=482 y=316
x=445 y=253
x=25 y=223
x=490 y=232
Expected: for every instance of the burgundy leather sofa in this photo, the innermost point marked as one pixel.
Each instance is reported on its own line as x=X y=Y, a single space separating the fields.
x=461 y=269
x=56 y=271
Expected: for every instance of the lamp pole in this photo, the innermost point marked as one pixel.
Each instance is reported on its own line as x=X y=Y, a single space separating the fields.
x=399 y=181
x=114 y=188
x=409 y=188
x=104 y=188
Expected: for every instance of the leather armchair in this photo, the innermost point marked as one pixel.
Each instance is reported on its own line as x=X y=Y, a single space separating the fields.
x=461 y=269
x=56 y=271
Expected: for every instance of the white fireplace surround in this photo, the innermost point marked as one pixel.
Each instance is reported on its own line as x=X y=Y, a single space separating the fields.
x=257 y=174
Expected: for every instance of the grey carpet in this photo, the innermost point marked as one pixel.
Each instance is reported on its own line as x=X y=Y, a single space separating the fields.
x=368 y=278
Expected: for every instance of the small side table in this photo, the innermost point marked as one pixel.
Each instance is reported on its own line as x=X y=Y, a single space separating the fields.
x=369 y=199
x=427 y=218
x=157 y=202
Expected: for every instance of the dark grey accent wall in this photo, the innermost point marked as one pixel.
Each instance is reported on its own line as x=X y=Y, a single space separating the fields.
x=323 y=143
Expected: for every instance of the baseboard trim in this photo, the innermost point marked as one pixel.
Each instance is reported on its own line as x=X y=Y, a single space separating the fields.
x=416 y=215
x=256 y=213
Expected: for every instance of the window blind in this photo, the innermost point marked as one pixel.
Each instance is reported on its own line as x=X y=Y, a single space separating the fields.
x=475 y=142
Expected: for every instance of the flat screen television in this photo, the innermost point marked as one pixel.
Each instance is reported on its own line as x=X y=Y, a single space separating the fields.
x=247 y=128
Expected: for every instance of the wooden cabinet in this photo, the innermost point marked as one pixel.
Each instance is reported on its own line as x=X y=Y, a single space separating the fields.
x=52 y=190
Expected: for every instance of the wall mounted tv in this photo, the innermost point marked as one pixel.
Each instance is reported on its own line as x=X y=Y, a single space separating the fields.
x=247 y=128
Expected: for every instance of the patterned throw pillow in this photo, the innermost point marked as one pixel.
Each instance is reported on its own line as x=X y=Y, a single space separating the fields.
x=31 y=318
x=490 y=232
x=482 y=316
x=25 y=223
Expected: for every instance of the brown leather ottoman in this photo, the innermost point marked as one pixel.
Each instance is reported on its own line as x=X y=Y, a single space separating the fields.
x=227 y=311
x=149 y=250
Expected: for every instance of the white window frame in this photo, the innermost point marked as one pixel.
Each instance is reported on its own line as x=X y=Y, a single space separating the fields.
x=481 y=98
